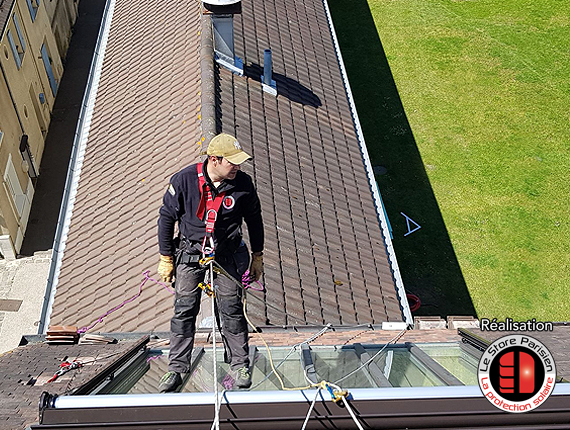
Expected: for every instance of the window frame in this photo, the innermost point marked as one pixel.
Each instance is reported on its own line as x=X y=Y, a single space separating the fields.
x=14 y=188
x=20 y=49
x=33 y=6
x=14 y=49
x=46 y=59
x=19 y=33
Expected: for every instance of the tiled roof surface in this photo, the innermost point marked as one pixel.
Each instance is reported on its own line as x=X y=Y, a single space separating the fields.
x=326 y=260
x=24 y=373
x=145 y=127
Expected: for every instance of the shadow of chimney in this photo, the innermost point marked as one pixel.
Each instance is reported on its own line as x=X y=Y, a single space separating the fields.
x=286 y=87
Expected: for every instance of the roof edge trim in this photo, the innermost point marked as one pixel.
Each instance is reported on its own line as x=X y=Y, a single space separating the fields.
x=400 y=290
x=252 y=397
x=75 y=164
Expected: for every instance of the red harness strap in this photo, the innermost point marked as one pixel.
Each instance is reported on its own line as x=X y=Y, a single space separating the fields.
x=210 y=206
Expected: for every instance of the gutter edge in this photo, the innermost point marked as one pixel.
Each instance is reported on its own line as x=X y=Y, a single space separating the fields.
x=400 y=290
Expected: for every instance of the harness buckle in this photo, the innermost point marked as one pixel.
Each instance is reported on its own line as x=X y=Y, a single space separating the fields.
x=211 y=217
x=205 y=261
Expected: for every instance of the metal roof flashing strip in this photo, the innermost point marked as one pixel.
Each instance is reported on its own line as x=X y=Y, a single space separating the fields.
x=75 y=164
x=452 y=407
x=260 y=397
x=407 y=314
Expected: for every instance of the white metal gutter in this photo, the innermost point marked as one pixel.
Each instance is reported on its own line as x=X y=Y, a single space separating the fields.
x=261 y=397
x=407 y=314
x=75 y=164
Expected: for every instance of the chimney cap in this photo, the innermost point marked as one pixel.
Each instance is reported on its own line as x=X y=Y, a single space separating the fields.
x=221 y=2
x=222 y=7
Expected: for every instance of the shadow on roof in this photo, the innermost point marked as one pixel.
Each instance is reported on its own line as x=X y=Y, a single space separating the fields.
x=286 y=87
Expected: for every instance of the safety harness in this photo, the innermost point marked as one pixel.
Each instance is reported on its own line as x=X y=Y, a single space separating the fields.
x=208 y=211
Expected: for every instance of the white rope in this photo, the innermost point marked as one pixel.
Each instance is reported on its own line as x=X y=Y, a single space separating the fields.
x=349 y=409
x=293 y=348
x=352 y=413
x=216 y=423
x=311 y=409
x=367 y=362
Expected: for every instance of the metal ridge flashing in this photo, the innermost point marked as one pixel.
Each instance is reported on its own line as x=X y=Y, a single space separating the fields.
x=372 y=181
x=75 y=164
x=261 y=397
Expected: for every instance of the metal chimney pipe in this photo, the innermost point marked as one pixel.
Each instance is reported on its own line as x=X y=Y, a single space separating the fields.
x=267 y=82
x=267 y=67
x=222 y=13
x=224 y=37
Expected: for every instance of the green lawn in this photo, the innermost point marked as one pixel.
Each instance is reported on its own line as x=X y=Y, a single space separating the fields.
x=467 y=105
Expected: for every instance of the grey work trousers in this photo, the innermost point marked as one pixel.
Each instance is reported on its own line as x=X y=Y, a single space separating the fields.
x=229 y=308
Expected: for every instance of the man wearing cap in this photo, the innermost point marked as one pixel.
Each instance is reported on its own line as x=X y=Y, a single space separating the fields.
x=185 y=202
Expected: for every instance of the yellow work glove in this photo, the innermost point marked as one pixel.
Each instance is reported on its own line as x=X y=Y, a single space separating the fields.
x=166 y=268
x=256 y=267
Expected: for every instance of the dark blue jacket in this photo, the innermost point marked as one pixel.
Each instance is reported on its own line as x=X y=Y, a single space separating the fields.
x=181 y=201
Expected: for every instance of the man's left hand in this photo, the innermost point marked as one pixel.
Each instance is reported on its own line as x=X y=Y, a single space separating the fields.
x=256 y=267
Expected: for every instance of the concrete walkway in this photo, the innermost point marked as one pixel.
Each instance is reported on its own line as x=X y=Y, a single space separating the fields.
x=22 y=279
x=26 y=277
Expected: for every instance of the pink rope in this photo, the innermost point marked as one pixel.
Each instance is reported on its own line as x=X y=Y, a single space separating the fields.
x=116 y=308
x=247 y=280
x=228 y=382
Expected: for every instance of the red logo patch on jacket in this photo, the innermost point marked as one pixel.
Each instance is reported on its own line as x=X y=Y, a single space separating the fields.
x=229 y=202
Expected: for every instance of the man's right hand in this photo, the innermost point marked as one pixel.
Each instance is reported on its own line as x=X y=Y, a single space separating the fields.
x=166 y=267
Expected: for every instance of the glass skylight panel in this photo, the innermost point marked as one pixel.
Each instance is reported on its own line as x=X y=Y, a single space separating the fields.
x=332 y=364
x=351 y=366
x=454 y=359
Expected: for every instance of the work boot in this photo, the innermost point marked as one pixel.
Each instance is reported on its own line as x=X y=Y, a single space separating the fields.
x=171 y=381
x=243 y=379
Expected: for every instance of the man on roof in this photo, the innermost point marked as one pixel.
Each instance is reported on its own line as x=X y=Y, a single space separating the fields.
x=210 y=201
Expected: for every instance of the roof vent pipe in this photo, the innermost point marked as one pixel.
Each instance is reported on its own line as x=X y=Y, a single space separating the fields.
x=223 y=12
x=267 y=82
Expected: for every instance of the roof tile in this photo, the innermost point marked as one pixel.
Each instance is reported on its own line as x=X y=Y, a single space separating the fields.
x=125 y=139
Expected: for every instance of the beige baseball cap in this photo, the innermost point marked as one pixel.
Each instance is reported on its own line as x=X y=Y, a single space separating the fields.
x=227 y=146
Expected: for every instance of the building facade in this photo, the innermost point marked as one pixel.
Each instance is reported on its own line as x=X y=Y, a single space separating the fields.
x=34 y=41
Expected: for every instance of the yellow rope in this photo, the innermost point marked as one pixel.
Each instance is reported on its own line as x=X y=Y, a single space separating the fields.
x=269 y=353
x=334 y=390
x=336 y=394
x=321 y=384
